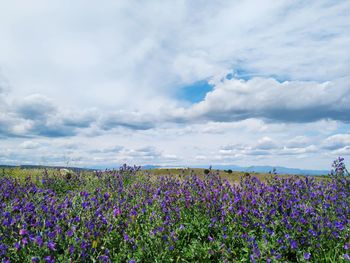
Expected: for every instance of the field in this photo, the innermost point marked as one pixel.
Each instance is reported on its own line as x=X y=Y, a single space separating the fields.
x=233 y=178
x=172 y=215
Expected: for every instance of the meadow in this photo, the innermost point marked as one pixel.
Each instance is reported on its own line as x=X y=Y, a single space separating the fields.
x=129 y=215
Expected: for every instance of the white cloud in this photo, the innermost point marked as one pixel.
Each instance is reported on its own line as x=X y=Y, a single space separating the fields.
x=336 y=141
x=344 y=151
x=298 y=142
x=266 y=143
x=289 y=101
x=29 y=145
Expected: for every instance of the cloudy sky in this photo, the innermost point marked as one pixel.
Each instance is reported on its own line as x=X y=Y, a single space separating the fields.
x=95 y=83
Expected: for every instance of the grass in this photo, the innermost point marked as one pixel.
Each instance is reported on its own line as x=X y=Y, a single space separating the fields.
x=233 y=177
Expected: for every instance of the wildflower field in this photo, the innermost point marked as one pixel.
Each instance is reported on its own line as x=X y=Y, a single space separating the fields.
x=130 y=216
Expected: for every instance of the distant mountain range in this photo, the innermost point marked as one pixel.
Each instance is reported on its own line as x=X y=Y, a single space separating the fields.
x=258 y=169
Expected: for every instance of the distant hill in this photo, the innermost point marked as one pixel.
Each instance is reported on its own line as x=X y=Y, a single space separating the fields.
x=258 y=169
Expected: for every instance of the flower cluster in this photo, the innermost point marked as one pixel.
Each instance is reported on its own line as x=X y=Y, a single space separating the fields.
x=339 y=168
x=104 y=217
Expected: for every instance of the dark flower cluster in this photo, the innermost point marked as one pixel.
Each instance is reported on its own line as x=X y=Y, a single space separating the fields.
x=128 y=216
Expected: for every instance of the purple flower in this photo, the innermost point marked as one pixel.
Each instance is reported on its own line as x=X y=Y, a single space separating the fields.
x=24 y=241
x=106 y=196
x=49 y=259
x=346 y=257
x=17 y=246
x=116 y=212
x=132 y=261
x=293 y=244
x=104 y=259
x=51 y=245
x=52 y=234
x=39 y=241
x=307 y=255
x=339 y=225
x=71 y=249
x=23 y=232
x=69 y=233
x=252 y=258
x=126 y=237
x=35 y=260
x=3 y=249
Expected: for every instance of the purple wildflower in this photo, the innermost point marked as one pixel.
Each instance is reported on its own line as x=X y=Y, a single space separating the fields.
x=71 y=249
x=51 y=245
x=307 y=255
x=104 y=259
x=69 y=233
x=39 y=241
x=49 y=259
x=293 y=244
x=126 y=237
x=23 y=232
x=17 y=246
x=116 y=212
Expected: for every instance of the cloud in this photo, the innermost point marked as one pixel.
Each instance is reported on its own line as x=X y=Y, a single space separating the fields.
x=29 y=145
x=266 y=143
x=129 y=120
x=298 y=142
x=267 y=146
x=344 y=151
x=144 y=153
x=6 y=125
x=288 y=101
x=34 y=107
x=37 y=115
x=49 y=120
x=299 y=151
x=336 y=142
x=108 y=150
x=79 y=119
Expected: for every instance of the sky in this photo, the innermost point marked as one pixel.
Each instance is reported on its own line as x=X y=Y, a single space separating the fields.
x=102 y=83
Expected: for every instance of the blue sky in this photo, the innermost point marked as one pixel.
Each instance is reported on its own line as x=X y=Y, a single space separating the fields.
x=256 y=82
x=194 y=92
